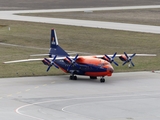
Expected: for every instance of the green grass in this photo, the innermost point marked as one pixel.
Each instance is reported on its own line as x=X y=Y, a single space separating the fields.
x=90 y=40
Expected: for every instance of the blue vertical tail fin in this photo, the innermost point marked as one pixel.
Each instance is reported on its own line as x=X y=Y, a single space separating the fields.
x=55 y=49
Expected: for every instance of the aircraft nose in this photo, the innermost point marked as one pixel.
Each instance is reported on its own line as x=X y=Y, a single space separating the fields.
x=110 y=71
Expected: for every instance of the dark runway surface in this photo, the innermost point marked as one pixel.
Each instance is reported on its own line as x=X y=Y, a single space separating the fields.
x=124 y=96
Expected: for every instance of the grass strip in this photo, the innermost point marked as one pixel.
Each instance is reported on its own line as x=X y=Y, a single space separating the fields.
x=82 y=39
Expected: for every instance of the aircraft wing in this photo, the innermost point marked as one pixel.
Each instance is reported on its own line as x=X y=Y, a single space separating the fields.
x=143 y=55
x=118 y=55
x=24 y=60
x=29 y=60
x=127 y=58
x=61 y=58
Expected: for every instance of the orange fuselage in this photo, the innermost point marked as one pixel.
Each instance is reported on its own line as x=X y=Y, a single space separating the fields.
x=96 y=62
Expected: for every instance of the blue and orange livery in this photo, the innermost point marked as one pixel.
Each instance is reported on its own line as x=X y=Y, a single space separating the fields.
x=79 y=65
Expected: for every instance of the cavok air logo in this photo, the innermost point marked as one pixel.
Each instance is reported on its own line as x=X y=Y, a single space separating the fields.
x=53 y=41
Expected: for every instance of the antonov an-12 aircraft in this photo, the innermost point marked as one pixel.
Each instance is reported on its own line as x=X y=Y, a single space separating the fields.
x=92 y=66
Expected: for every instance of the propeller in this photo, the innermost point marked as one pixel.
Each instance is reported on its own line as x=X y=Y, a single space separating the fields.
x=73 y=61
x=129 y=58
x=111 y=59
x=52 y=63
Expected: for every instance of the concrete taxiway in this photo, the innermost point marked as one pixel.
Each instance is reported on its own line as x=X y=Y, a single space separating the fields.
x=124 y=96
x=10 y=15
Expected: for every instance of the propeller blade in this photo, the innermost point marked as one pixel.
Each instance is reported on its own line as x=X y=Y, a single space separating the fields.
x=133 y=55
x=108 y=57
x=48 y=68
x=69 y=59
x=55 y=66
x=124 y=62
x=54 y=58
x=76 y=57
x=115 y=63
x=129 y=59
x=52 y=63
x=73 y=61
x=114 y=55
x=111 y=59
x=126 y=54
x=132 y=63
x=68 y=69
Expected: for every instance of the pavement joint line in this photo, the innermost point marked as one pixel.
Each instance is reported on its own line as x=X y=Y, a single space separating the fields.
x=36 y=87
x=52 y=82
x=14 y=45
x=9 y=95
x=28 y=90
x=21 y=92
x=32 y=47
x=18 y=92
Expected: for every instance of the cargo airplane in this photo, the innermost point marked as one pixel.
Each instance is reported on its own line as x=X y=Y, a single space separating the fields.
x=92 y=66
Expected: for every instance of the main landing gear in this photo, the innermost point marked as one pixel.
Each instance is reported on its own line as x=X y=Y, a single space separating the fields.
x=93 y=77
x=102 y=80
x=73 y=77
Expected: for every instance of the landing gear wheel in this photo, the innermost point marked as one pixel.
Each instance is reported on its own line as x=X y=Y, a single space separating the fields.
x=92 y=77
x=72 y=77
x=75 y=77
x=102 y=80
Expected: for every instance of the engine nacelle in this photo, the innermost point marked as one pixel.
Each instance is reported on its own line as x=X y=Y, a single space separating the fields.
x=127 y=59
x=46 y=62
x=105 y=58
x=123 y=57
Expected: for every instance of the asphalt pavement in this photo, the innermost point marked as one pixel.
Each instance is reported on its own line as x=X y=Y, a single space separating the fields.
x=124 y=96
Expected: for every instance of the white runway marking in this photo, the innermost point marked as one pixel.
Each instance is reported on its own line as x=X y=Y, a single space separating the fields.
x=38 y=48
x=63 y=109
x=17 y=111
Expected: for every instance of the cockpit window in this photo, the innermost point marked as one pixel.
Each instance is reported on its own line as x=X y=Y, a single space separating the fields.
x=103 y=64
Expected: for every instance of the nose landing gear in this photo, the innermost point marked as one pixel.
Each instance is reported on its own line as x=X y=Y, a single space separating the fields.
x=102 y=80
